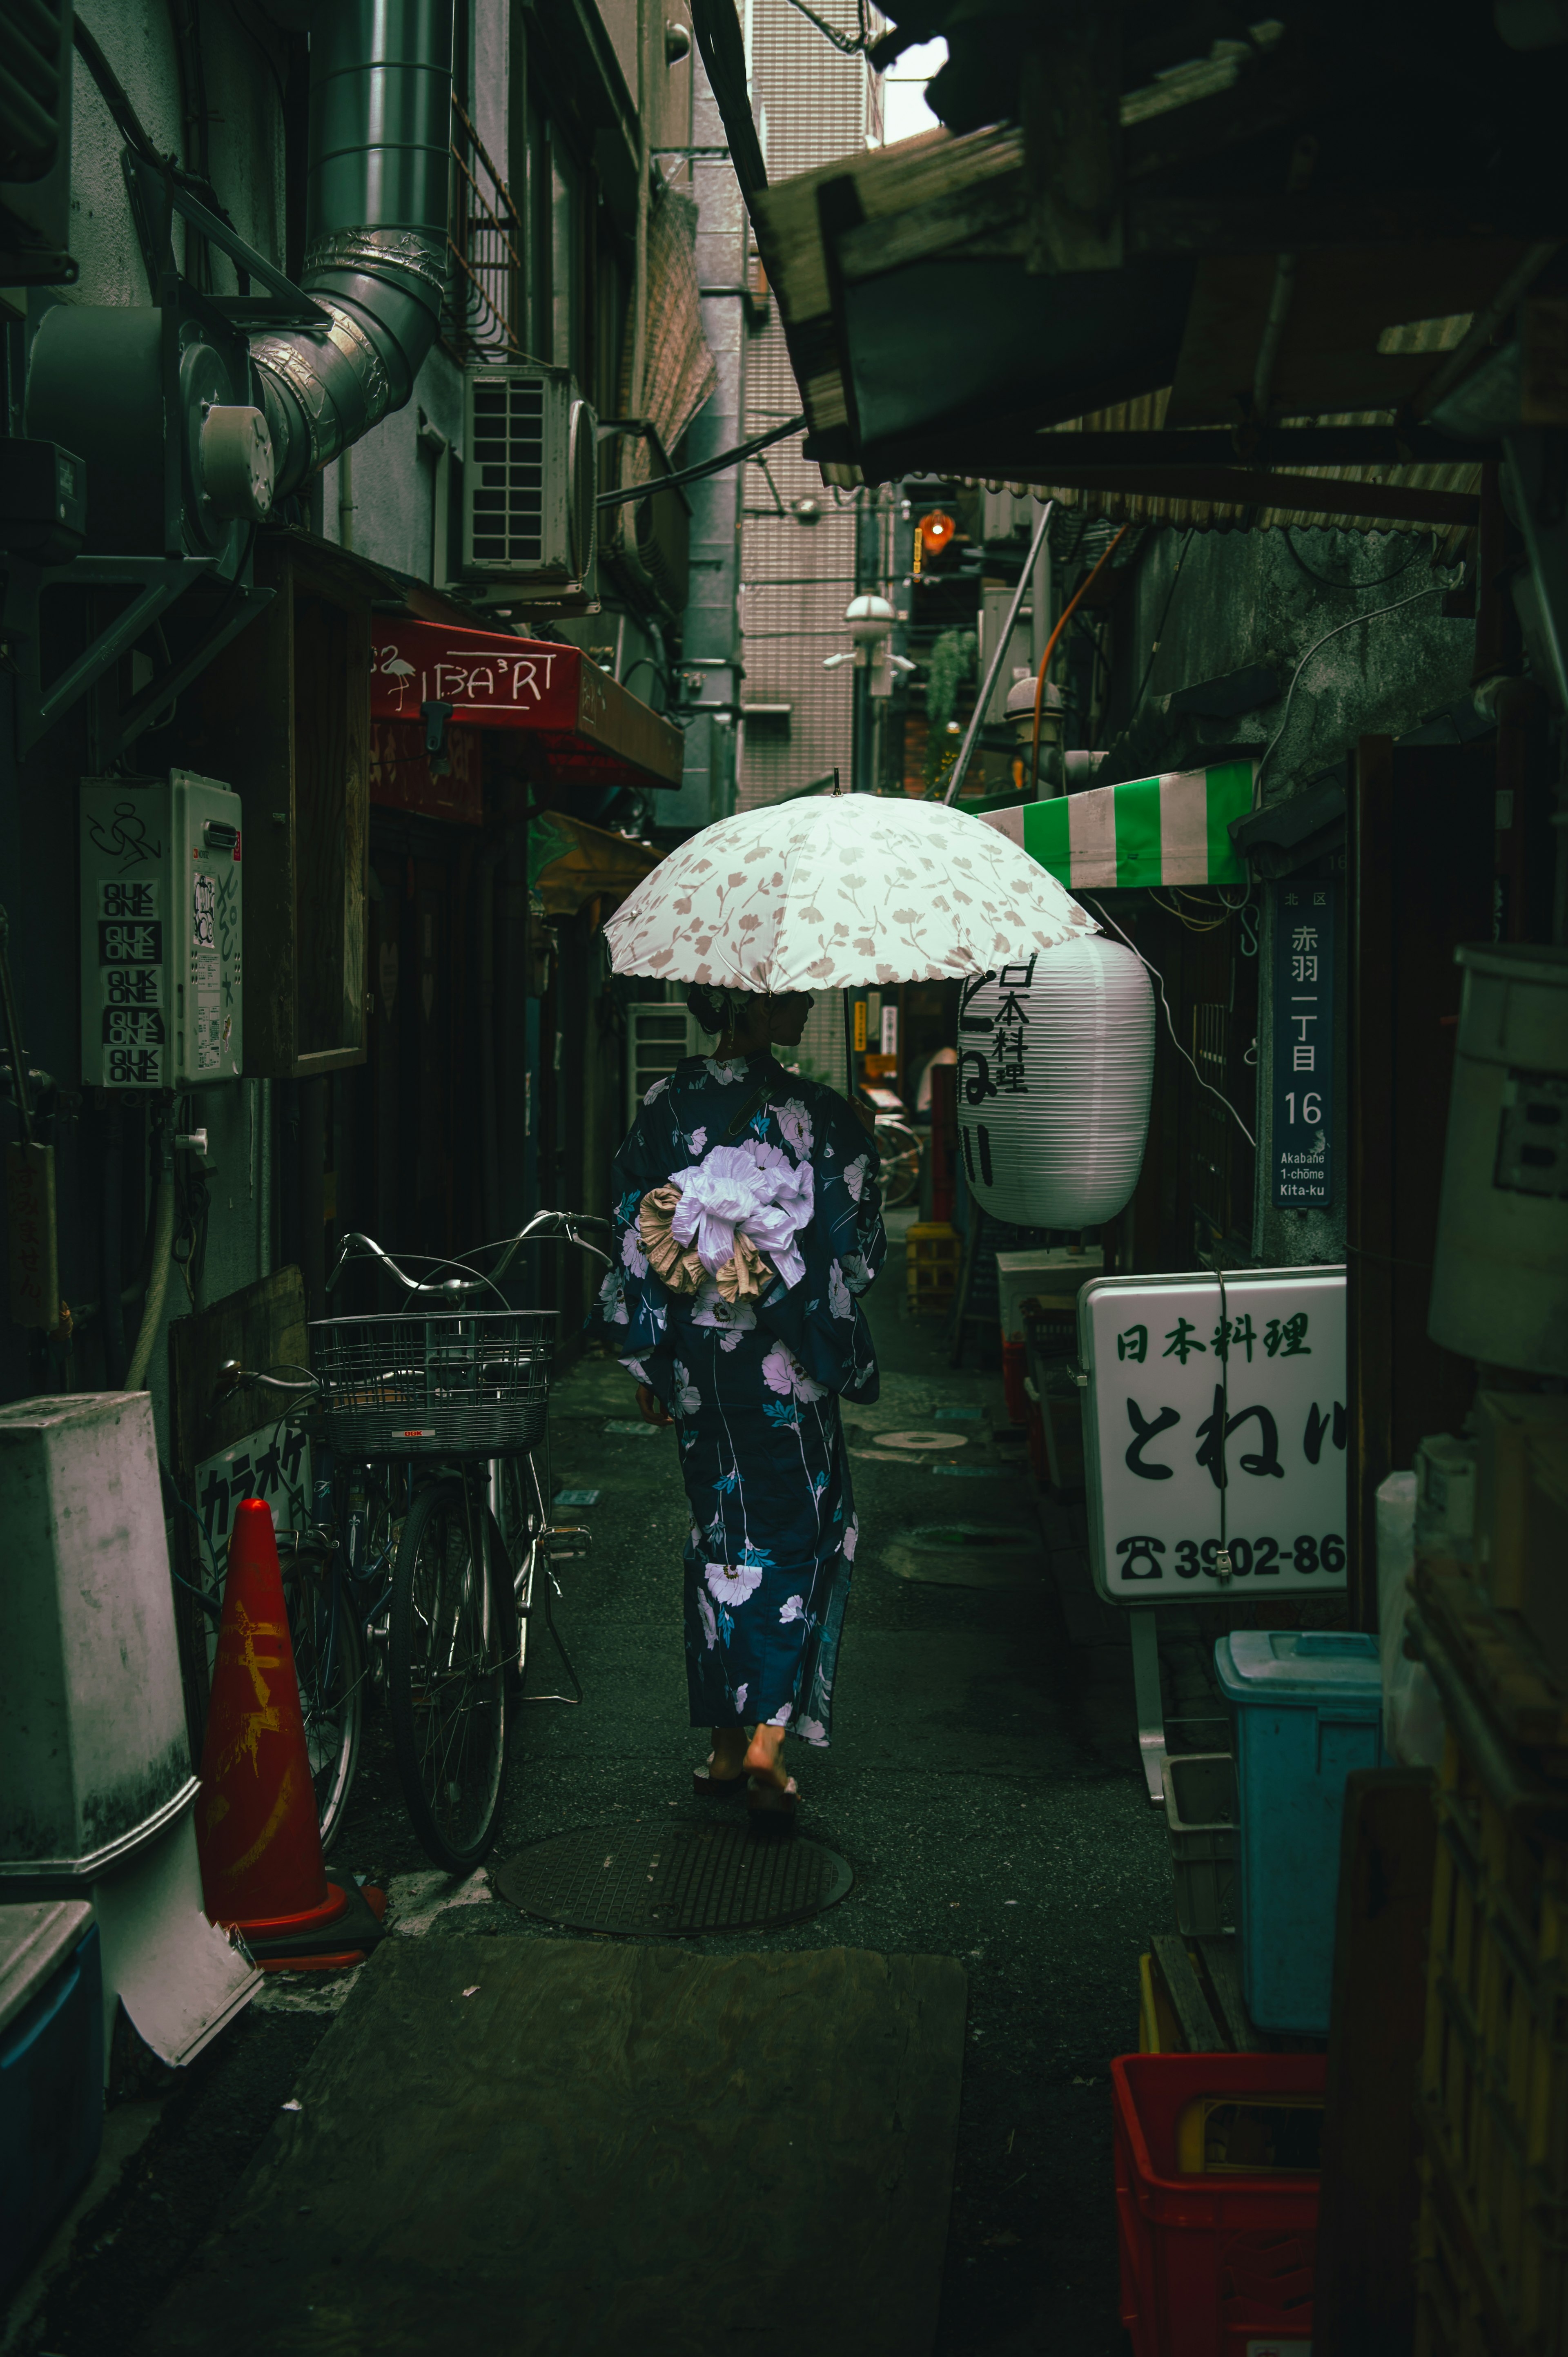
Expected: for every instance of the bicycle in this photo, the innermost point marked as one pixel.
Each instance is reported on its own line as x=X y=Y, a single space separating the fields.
x=900 y=1146
x=422 y=1574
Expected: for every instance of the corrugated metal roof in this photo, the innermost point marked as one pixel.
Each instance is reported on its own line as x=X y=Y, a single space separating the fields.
x=1148 y=412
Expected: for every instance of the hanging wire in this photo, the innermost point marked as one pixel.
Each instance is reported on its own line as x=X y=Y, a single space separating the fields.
x=1216 y=926
x=1372 y=615
x=1381 y=582
x=1165 y=617
x=1068 y=610
x=1170 y=1024
x=850 y=45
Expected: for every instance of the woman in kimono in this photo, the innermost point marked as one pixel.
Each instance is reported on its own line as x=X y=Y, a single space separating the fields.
x=748 y=1219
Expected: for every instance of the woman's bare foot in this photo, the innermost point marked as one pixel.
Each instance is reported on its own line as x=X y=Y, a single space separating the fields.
x=727 y=1760
x=765 y=1761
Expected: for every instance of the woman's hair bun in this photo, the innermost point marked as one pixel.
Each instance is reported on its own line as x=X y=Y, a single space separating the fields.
x=712 y=1006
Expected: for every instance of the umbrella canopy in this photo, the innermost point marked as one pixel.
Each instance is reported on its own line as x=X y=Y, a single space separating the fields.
x=839 y=890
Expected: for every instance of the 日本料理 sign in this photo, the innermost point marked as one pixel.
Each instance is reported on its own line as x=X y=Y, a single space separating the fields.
x=1215 y=1427
x=1304 y=1046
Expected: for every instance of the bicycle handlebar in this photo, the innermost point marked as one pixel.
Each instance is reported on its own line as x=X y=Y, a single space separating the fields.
x=543 y=1224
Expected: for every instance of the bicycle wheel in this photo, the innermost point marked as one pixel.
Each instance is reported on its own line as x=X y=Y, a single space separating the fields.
x=449 y=1647
x=328 y=1661
x=901 y=1149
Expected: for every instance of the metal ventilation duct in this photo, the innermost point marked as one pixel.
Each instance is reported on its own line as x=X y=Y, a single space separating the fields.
x=380 y=140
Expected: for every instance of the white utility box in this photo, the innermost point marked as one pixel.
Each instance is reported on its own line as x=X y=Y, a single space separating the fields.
x=161 y=932
x=1053 y=1273
x=94 y=1753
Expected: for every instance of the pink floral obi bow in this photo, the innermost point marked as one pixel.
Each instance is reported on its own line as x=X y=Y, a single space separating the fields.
x=732 y=1218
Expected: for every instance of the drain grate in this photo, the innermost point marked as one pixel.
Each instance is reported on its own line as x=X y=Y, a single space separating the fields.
x=664 y=1884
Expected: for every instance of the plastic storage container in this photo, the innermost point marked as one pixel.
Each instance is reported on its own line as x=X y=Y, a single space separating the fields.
x=1200 y=1818
x=1308 y=1709
x=1213 y=2265
x=51 y=2069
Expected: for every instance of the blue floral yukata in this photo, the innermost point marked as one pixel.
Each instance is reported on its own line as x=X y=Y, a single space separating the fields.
x=754 y=1386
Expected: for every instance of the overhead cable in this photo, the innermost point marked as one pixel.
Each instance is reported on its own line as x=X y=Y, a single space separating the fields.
x=708 y=466
x=1101 y=909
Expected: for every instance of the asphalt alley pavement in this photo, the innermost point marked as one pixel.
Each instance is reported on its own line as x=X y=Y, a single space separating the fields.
x=982 y=1784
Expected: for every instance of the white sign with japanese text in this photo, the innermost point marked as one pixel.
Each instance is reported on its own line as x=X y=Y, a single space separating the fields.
x=273 y=1464
x=1215 y=1422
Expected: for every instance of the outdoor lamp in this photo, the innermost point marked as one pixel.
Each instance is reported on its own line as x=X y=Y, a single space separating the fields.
x=871 y=621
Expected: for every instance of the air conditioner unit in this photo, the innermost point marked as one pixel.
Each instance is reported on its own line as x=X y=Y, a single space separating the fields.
x=530 y=481
x=658 y=1033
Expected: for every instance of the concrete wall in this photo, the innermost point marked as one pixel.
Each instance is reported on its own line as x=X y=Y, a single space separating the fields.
x=246 y=145
x=1243 y=598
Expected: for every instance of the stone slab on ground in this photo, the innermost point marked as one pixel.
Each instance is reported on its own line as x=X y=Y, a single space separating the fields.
x=580 y=2147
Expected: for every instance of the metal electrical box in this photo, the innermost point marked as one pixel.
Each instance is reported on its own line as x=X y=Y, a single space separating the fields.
x=161 y=932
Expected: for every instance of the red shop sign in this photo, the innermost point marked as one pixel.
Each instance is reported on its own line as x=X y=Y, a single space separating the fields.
x=590 y=726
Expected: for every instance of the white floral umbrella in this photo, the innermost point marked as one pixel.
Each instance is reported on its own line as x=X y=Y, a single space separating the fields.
x=836 y=891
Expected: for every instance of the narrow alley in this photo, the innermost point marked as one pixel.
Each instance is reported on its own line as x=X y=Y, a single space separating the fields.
x=784 y=1089
x=984 y=1791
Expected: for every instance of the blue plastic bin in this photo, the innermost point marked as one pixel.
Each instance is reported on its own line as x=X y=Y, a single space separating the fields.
x=1308 y=1709
x=51 y=2070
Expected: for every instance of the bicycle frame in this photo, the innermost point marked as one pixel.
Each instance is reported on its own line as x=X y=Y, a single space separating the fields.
x=456 y=1291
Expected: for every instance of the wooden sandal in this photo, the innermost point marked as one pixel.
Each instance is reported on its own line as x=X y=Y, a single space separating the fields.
x=706 y=1786
x=771 y=1811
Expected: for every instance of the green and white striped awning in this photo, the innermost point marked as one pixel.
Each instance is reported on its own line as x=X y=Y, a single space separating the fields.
x=1169 y=830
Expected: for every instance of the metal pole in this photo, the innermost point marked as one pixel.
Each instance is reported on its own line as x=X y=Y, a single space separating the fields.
x=999 y=654
x=867 y=581
x=1040 y=604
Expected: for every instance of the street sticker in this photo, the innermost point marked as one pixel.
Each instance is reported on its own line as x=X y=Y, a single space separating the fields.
x=578 y=1497
x=1203 y=1397
x=635 y=1431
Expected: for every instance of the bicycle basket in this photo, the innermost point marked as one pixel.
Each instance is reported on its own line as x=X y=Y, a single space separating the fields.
x=473 y=1383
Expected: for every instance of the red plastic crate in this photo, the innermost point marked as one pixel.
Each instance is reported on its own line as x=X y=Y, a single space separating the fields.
x=1211 y=2266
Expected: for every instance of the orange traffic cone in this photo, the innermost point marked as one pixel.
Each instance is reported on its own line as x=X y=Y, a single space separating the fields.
x=256 y=1829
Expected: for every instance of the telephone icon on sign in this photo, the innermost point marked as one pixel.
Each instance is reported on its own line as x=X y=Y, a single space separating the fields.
x=1141 y=1551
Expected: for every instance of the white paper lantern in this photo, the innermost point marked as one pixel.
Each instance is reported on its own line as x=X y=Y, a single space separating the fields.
x=1055 y=1060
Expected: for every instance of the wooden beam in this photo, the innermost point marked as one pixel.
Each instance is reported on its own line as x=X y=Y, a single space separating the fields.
x=1281 y=448
x=1070 y=104
x=983 y=455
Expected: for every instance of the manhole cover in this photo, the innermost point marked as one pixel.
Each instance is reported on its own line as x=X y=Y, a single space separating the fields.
x=922 y=1440
x=661 y=1883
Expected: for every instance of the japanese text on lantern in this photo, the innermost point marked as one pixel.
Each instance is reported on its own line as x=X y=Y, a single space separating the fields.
x=998 y=1067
